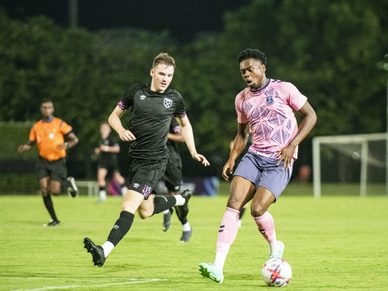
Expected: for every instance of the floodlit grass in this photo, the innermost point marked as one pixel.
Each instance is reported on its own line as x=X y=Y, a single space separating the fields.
x=334 y=243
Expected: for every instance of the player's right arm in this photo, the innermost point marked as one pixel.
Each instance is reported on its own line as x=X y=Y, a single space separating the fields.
x=238 y=147
x=114 y=121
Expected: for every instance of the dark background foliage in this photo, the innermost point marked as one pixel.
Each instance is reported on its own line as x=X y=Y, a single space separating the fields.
x=328 y=49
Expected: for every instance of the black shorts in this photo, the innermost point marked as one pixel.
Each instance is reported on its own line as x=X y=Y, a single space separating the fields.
x=56 y=170
x=110 y=166
x=173 y=175
x=144 y=175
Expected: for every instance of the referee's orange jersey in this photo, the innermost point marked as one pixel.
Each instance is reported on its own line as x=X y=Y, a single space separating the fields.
x=49 y=136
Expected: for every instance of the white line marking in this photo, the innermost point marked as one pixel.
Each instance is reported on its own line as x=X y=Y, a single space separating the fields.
x=128 y=282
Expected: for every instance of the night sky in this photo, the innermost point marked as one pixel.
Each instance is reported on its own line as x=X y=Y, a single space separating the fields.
x=182 y=18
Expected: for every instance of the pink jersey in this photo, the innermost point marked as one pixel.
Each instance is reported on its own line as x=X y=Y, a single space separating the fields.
x=270 y=114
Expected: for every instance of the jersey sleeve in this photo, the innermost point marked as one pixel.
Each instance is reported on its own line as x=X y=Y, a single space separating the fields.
x=180 y=108
x=241 y=117
x=295 y=98
x=65 y=128
x=126 y=100
x=175 y=127
x=113 y=142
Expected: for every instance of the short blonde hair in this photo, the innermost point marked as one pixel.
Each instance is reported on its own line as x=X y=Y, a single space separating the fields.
x=163 y=58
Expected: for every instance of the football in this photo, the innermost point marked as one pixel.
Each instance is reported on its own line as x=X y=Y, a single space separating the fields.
x=276 y=272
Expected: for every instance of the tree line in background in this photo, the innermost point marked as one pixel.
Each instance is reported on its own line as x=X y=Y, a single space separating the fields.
x=328 y=49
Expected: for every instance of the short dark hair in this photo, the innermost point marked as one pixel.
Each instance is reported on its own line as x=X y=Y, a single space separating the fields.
x=163 y=58
x=252 y=54
x=46 y=100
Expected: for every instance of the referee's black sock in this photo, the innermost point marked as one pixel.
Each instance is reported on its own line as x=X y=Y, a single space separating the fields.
x=49 y=206
x=163 y=202
x=121 y=227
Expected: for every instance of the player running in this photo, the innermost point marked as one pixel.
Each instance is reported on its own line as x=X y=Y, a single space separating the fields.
x=266 y=106
x=173 y=181
x=152 y=107
x=107 y=151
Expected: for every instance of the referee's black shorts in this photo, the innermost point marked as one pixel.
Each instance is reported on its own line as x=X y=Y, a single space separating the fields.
x=56 y=169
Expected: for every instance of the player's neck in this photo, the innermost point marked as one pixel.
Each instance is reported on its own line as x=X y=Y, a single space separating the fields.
x=48 y=118
x=263 y=84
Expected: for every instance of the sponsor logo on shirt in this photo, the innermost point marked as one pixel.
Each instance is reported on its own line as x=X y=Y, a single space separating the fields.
x=142 y=97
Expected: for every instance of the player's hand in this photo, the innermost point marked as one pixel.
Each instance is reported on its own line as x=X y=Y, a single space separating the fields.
x=24 y=147
x=286 y=156
x=62 y=147
x=126 y=135
x=227 y=170
x=201 y=158
x=104 y=148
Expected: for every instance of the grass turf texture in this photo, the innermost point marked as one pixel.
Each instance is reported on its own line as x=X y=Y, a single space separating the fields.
x=332 y=243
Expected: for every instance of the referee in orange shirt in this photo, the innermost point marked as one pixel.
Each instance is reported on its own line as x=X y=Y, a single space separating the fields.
x=53 y=137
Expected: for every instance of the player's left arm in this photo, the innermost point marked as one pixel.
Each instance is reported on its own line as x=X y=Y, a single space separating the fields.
x=71 y=140
x=308 y=122
x=177 y=136
x=187 y=132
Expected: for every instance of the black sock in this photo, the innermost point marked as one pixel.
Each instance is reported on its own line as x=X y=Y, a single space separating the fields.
x=50 y=207
x=181 y=212
x=163 y=202
x=121 y=227
x=100 y=188
x=242 y=211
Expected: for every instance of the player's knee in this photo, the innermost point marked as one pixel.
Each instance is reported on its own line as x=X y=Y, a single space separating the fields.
x=143 y=214
x=258 y=210
x=44 y=192
x=54 y=191
x=234 y=203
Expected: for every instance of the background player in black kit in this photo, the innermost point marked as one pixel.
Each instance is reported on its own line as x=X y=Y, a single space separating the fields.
x=107 y=151
x=173 y=180
x=152 y=108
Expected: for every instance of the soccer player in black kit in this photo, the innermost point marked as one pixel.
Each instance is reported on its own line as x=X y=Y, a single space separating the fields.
x=152 y=107
x=107 y=151
x=173 y=180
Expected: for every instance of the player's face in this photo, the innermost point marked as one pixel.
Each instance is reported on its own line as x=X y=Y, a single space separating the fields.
x=47 y=109
x=253 y=73
x=105 y=130
x=162 y=75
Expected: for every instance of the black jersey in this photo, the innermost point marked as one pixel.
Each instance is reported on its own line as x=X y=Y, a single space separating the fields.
x=107 y=157
x=151 y=114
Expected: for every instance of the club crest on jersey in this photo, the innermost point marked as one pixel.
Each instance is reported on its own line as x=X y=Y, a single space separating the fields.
x=167 y=102
x=268 y=98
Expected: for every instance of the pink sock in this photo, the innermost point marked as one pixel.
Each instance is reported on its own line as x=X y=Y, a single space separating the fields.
x=266 y=226
x=226 y=235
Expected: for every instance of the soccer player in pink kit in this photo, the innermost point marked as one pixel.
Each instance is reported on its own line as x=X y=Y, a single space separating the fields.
x=266 y=106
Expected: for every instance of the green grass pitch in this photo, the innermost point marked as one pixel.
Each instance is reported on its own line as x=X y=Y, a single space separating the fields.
x=332 y=243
